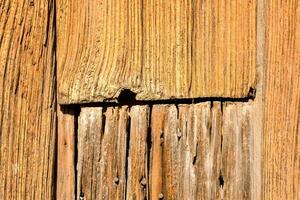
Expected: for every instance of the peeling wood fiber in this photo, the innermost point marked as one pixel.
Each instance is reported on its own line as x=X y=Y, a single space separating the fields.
x=157 y=49
x=27 y=100
x=166 y=152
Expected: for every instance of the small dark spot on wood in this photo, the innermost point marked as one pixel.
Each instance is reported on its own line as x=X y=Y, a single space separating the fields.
x=81 y=196
x=194 y=160
x=252 y=93
x=116 y=180
x=127 y=97
x=31 y=3
x=221 y=180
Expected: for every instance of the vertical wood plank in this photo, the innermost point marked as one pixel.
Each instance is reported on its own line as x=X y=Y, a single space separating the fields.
x=102 y=140
x=185 y=151
x=90 y=133
x=27 y=100
x=237 y=151
x=137 y=175
x=66 y=154
x=281 y=174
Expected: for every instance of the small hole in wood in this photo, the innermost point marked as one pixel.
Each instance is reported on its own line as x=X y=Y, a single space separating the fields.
x=126 y=97
x=221 y=180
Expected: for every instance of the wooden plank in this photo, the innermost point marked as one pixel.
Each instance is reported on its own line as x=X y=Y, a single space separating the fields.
x=157 y=49
x=137 y=179
x=90 y=133
x=197 y=151
x=237 y=167
x=184 y=152
x=281 y=174
x=66 y=154
x=27 y=100
x=102 y=151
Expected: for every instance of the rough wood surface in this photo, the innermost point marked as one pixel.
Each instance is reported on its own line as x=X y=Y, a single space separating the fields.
x=27 y=100
x=281 y=175
x=102 y=148
x=158 y=49
x=137 y=174
x=198 y=151
x=65 y=154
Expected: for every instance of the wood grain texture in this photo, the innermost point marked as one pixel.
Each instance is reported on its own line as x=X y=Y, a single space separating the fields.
x=27 y=100
x=281 y=175
x=65 y=153
x=199 y=151
x=102 y=143
x=158 y=49
x=137 y=180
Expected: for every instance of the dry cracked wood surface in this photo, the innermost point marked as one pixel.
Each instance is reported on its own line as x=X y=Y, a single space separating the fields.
x=199 y=151
x=27 y=100
x=245 y=149
x=158 y=49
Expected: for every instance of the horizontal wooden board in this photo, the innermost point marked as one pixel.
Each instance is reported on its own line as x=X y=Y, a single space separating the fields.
x=27 y=99
x=157 y=49
x=199 y=151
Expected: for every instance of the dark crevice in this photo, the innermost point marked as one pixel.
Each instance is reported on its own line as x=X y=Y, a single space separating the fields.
x=103 y=120
x=221 y=180
x=127 y=97
x=252 y=93
x=149 y=146
x=194 y=159
x=81 y=196
x=127 y=146
x=76 y=115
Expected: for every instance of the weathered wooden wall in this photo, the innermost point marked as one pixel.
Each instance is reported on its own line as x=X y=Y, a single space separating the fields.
x=27 y=100
x=159 y=49
x=199 y=151
x=245 y=149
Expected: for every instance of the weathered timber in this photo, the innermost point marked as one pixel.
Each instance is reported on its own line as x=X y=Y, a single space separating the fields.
x=198 y=151
x=158 y=49
x=66 y=153
x=281 y=147
x=27 y=100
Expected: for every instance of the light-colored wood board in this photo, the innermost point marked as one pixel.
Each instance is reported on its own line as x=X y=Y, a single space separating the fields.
x=183 y=163
x=102 y=141
x=197 y=151
x=137 y=180
x=281 y=147
x=237 y=164
x=66 y=148
x=157 y=49
x=27 y=100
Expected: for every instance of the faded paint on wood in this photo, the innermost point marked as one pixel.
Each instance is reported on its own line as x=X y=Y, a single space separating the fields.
x=168 y=152
x=65 y=188
x=158 y=49
x=281 y=158
x=27 y=100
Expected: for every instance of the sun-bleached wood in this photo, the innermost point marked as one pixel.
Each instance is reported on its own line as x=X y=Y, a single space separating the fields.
x=281 y=158
x=158 y=49
x=27 y=100
x=198 y=151
x=102 y=143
